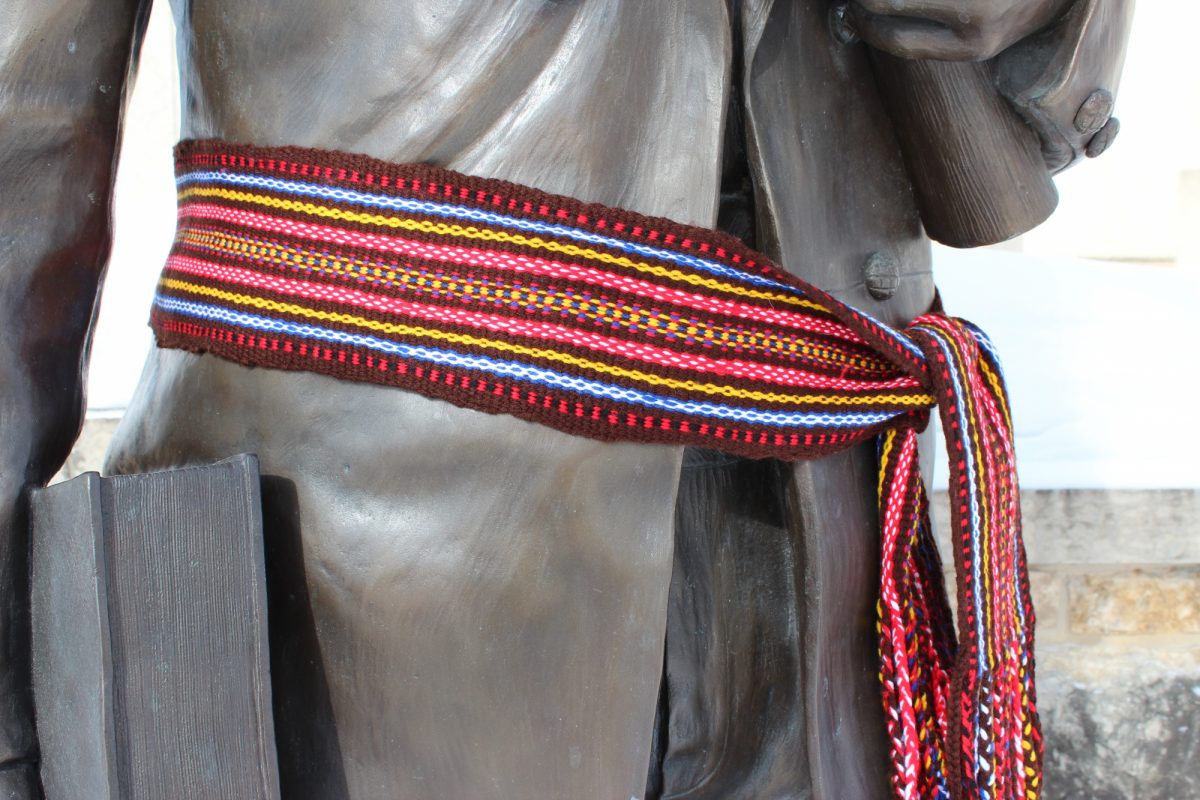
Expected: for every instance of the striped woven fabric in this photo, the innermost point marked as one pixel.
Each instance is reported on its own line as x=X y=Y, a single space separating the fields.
x=607 y=324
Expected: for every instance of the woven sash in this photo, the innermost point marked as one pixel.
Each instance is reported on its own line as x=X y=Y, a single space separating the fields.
x=615 y=326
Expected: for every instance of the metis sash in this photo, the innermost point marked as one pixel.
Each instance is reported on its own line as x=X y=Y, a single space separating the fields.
x=607 y=324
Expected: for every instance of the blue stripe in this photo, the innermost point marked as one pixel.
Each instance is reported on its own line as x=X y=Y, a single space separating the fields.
x=964 y=440
x=478 y=215
x=985 y=342
x=526 y=372
x=905 y=342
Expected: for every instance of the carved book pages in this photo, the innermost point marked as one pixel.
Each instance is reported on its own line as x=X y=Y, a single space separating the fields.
x=150 y=664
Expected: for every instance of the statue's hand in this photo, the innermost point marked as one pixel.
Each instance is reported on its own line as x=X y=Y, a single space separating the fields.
x=950 y=30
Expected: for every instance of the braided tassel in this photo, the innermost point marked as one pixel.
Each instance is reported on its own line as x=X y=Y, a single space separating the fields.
x=977 y=738
x=916 y=640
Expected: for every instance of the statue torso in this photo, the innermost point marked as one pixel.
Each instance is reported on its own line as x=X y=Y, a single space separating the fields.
x=594 y=98
x=416 y=521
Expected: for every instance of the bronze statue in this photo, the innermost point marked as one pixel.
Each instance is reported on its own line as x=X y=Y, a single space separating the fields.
x=466 y=605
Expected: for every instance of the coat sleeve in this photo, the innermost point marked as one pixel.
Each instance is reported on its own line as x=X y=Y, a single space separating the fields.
x=1064 y=80
x=64 y=66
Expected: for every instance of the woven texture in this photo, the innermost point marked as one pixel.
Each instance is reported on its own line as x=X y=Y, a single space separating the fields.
x=615 y=326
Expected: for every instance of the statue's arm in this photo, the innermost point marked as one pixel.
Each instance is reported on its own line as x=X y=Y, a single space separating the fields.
x=951 y=30
x=1058 y=62
x=1063 y=80
x=989 y=97
x=64 y=68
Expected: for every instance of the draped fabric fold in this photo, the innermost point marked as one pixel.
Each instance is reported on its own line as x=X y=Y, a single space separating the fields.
x=608 y=324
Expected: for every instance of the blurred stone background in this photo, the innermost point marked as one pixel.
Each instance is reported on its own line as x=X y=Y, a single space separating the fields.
x=1116 y=583
x=1112 y=500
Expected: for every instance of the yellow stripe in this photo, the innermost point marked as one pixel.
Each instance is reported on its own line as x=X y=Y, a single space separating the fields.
x=985 y=508
x=719 y=335
x=537 y=352
x=486 y=234
x=997 y=391
x=886 y=446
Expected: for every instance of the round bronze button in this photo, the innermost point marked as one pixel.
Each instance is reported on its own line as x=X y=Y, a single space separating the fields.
x=1104 y=139
x=882 y=275
x=1094 y=112
x=839 y=24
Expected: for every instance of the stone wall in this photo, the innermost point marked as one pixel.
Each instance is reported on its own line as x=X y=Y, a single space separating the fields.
x=1116 y=583
x=1116 y=579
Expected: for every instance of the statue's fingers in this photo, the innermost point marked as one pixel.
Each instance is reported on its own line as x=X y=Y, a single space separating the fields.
x=914 y=38
x=946 y=12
